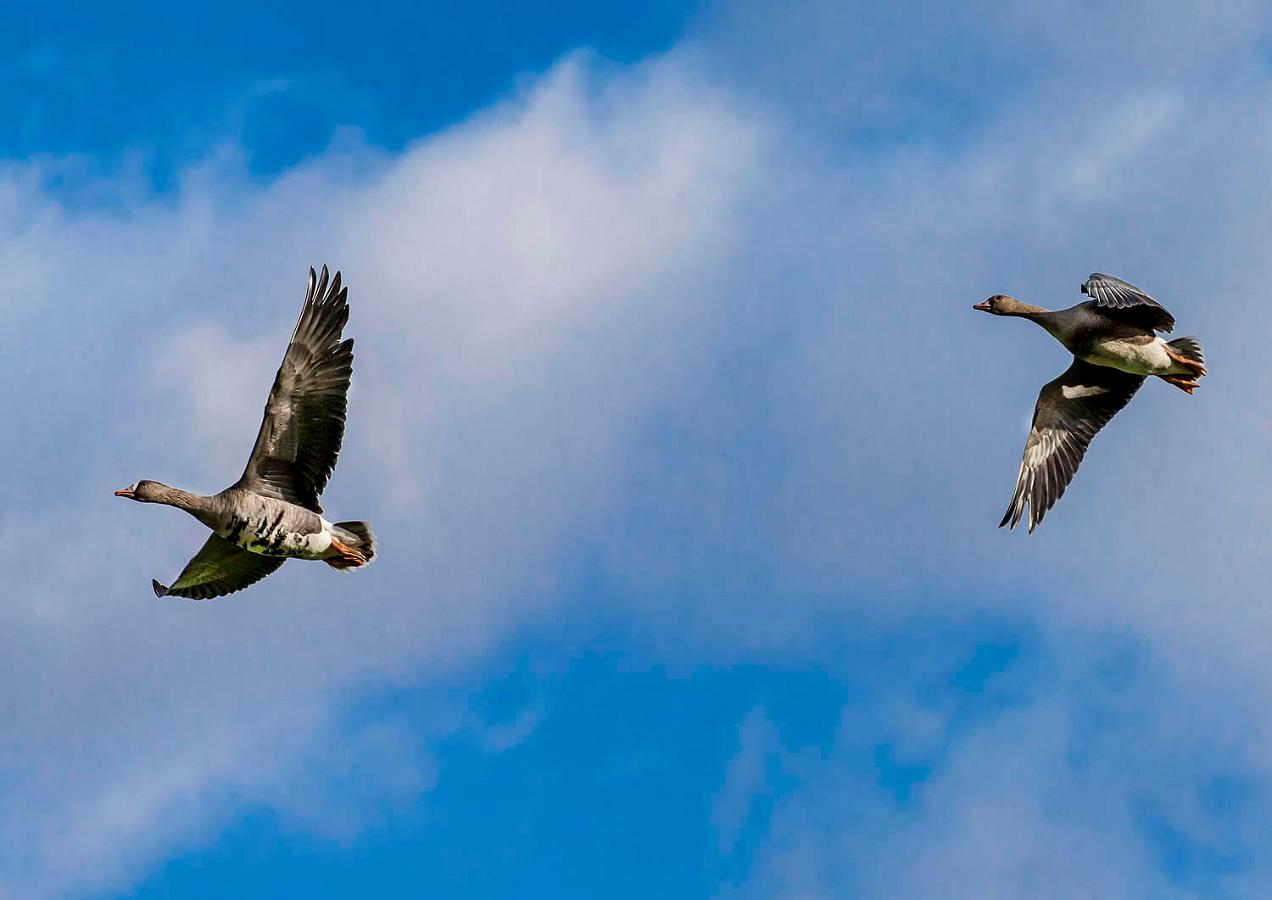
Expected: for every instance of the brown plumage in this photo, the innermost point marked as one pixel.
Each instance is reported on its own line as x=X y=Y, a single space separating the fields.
x=272 y=512
x=1114 y=342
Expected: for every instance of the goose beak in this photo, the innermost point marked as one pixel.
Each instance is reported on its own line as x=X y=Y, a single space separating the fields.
x=126 y=492
x=983 y=306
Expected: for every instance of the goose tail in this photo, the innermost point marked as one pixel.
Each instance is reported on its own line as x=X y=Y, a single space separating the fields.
x=1189 y=363
x=355 y=543
x=1190 y=349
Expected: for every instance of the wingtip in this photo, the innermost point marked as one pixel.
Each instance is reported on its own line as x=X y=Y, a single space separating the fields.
x=1007 y=516
x=160 y=590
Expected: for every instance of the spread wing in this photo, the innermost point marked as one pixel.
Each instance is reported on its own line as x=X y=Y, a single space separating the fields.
x=1114 y=293
x=220 y=567
x=1070 y=411
x=305 y=414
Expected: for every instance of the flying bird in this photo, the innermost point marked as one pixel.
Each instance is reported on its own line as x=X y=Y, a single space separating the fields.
x=1115 y=345
x=272 y=514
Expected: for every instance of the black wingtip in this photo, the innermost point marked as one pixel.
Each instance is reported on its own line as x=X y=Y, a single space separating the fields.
x=160 y=590
x=320 y=289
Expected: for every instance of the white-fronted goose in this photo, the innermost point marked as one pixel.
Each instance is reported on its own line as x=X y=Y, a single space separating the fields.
x=1114 y=342
x=272 y=513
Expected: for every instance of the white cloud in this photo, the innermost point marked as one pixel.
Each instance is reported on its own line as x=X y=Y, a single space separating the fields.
x=525 y=288
x=534 y=293
x=1068 y=794
x=745 y=776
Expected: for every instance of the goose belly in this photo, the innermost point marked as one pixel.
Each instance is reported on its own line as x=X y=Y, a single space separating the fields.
x=1136 y=357
x=273 y=537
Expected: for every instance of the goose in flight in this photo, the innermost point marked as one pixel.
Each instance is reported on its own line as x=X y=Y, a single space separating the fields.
x=272 y=514
x=1115 y=346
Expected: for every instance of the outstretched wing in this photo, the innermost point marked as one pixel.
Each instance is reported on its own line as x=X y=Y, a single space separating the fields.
x=305 y=414
x=1114 y=293
x=220 y=567
x=1070 y=411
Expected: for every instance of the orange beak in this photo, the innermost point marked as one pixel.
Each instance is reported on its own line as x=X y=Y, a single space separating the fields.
x=983 y=306
x=126 y=492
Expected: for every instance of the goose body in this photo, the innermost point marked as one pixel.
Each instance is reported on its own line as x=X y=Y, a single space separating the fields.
x=273 y=527
x=1135 y=357
x=272 y=514
x=1115 y=345
x=1103 y=338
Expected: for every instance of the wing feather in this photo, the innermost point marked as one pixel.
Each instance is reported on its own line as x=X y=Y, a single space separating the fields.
x=219 y=568
x=304 y=421
x=1063 y=426
x=1113 y=293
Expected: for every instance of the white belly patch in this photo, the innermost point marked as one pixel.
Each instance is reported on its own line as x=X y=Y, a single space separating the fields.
x=1132 y=357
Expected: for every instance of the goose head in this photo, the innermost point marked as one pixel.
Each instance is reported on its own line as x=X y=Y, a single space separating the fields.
x=143 y=492
x=1003 y=305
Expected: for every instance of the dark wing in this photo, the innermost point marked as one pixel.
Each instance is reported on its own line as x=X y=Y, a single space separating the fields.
x=1114 y=293
x=1070 y=411
x=219 y=568
x=305 y=415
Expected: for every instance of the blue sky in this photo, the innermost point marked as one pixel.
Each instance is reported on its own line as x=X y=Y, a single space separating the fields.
x=682 y=442
x=281 y=80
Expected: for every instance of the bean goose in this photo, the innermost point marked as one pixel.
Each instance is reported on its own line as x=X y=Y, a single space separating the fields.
x=272 y=514
x=1115 y=345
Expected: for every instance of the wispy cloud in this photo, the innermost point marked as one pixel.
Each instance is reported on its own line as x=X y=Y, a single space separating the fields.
x=745 y=777
x=1078 y=783
x=680 y=327
x=523 y=288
